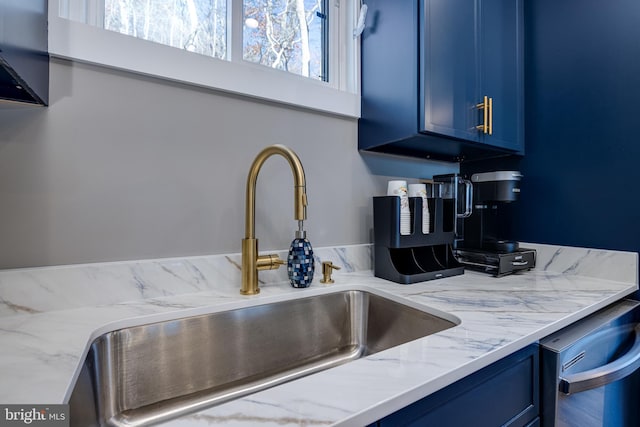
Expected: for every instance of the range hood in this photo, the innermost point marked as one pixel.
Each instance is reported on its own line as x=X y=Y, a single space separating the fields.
x=24 y=61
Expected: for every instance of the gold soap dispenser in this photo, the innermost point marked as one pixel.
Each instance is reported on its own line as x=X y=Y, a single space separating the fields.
x=327 y=269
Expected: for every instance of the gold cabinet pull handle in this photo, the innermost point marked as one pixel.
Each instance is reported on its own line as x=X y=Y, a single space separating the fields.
x=484 y=127
x=490 y=116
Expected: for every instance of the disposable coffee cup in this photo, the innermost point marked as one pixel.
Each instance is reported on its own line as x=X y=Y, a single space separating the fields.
x=420 y=190
x=417 y=190
x=399 y=188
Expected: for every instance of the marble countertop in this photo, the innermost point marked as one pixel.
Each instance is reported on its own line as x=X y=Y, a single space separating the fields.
x=43 y=349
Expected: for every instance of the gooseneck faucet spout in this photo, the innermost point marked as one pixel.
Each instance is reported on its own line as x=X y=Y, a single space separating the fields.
x=251 y=261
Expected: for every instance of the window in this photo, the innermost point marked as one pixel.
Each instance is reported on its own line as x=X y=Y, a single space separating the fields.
x=287 y=39
x=195 y=25
x=287 y=35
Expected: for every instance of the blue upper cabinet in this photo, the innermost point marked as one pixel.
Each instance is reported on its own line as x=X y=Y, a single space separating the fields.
x=449 y=73
x=24 y=60
x=427 y=68
x=502 y=70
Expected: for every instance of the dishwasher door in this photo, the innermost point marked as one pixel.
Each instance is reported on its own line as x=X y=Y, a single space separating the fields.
x=590 y=375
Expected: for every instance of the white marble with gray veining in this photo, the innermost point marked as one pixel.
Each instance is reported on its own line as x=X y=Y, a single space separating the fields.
x=37 y=290
x=597 y=263
x=49 y=316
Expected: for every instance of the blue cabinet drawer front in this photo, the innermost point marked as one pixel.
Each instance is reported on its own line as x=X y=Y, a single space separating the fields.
x=505 y=393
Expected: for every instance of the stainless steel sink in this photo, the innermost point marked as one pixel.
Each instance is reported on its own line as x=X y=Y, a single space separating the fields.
x=146 y=374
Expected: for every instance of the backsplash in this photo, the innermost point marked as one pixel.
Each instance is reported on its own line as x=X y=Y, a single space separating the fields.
x=597 y=263
x=35 y=290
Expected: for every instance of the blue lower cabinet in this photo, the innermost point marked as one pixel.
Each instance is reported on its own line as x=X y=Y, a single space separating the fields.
x=534 y=423
x=505 y=393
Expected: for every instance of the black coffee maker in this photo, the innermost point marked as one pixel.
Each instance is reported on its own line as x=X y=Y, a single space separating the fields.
x=480 y=245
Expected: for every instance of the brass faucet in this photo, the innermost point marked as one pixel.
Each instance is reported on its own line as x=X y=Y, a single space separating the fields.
x=251 y=261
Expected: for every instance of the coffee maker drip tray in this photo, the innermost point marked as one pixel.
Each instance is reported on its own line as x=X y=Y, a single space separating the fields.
x=500 y=246
x=497 y=263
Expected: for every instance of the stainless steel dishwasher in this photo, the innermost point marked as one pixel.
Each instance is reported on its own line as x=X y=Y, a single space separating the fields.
x=590 y=374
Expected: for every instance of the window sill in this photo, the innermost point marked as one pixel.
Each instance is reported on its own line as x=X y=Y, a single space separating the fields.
x=85 y=43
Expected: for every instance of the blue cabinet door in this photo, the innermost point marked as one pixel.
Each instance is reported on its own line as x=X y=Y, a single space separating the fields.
x=449 y=70
x=389 y=77
x=501 y=70
x=472 y=50
x=426 y=64
x=505 y=393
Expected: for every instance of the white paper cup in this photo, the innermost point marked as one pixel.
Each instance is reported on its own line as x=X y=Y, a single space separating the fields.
x=397 y=188
x=417 y=190
x=420 y=190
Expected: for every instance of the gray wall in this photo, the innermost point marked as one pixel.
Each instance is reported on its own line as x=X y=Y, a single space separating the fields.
x=123 y=167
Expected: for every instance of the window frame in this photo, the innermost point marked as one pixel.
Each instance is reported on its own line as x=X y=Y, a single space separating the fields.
x=83 y=42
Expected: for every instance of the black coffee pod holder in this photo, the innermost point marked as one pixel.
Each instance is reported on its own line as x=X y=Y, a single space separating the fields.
x=416 y=257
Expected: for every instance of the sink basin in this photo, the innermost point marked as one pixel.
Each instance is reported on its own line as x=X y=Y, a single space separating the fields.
x=146 y=374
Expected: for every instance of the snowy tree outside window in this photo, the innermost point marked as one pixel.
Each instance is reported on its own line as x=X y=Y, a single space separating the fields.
x=195 y=25
x=287 y=35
